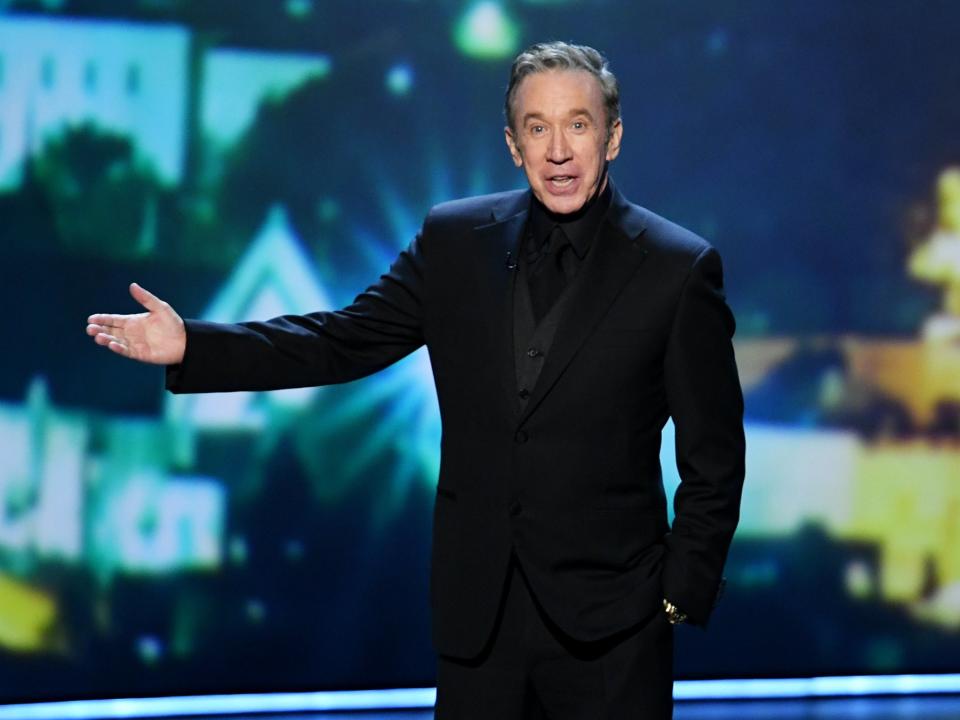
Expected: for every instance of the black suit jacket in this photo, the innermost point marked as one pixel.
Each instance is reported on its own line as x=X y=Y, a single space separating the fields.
x=572 y=482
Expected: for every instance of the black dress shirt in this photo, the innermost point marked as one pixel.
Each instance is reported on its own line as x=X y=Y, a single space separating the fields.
x=556 y=246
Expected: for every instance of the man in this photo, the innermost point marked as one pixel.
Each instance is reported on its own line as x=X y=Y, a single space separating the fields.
x=564 y=325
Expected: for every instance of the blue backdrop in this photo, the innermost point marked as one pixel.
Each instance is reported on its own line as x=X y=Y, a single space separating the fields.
x=247 y=163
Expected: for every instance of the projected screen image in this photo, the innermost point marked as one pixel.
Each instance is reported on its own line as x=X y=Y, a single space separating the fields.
x=247 y=164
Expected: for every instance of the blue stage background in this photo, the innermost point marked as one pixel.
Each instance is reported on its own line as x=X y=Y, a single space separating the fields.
x=243 y=161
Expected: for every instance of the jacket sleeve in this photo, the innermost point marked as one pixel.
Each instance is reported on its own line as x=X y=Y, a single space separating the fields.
x=706 y=403
x=382 y=325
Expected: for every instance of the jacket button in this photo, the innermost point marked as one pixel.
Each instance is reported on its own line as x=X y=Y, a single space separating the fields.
x=516 y=508
x=533 y=352
x=520 y=437
x=524 y=394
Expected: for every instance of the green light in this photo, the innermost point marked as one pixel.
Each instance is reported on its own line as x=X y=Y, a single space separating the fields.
x=299 y=9
x=485 y=32
x=399 y=79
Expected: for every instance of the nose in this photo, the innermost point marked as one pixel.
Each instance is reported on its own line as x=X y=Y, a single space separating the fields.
x=558 y=150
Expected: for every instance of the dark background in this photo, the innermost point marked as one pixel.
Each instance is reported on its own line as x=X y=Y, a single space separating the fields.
x=803 y=139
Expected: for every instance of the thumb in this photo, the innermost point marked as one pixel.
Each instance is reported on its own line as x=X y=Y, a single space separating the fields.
x=146 y=298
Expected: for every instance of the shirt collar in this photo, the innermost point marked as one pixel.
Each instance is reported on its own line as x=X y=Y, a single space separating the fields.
x=579 y=227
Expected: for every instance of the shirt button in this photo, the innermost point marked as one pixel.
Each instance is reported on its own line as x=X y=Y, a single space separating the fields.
x=520 y=437
x=524 y=394
x=533 y=352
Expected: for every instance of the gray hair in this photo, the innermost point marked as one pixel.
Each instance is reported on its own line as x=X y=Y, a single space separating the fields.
x=558 y=55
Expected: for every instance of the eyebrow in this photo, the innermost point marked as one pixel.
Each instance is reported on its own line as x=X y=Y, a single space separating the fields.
x=572 y=114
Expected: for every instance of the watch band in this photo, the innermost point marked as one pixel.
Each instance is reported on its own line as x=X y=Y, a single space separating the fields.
x=673 y=613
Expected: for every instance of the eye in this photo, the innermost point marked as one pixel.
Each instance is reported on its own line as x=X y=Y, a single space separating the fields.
x=579 y=125
x=537 y=129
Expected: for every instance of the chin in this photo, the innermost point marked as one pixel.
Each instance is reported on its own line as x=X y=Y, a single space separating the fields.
x=564 y=208
x=564 y=205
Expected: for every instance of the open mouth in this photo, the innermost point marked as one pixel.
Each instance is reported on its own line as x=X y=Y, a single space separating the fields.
x=561 y=181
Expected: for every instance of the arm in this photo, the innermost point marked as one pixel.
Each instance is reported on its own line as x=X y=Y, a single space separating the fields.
x=382 y=325
x=706 y=403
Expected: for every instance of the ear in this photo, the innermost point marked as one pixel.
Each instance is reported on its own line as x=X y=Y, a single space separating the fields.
x=613 y=144
x=513 y=147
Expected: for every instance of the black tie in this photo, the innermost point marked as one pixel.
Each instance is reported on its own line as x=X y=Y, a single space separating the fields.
x=547 y=274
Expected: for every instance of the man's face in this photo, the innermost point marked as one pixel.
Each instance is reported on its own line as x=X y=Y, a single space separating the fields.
x=560 y=139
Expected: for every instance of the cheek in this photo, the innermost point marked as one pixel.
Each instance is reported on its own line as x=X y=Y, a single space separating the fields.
x=531 y=170
x=521 y=158
x=594 y=155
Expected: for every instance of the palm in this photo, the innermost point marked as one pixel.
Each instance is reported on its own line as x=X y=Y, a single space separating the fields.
x=156 y=336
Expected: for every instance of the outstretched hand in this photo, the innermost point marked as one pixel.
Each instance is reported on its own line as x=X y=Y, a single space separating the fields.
x=156 y=336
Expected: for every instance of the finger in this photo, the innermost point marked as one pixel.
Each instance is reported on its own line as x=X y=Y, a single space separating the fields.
x=119 y=348
x=107 y=320
x=93 y=329
x=146 y=298
x=106 y=338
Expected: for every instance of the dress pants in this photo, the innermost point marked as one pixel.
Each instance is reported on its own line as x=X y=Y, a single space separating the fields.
x=531 y=670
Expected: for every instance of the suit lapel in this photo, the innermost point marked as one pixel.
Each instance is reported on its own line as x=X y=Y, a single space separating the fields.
x=501 y=241
x=614 y=259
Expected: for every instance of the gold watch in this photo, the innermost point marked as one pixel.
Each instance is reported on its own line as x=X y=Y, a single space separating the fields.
x=673 y=613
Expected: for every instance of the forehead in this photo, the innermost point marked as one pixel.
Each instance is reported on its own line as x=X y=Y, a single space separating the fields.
x=559 y=92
